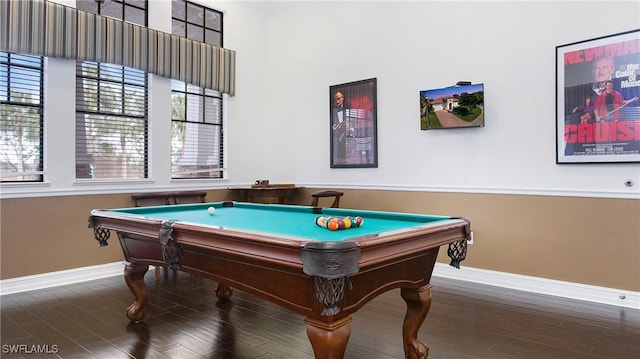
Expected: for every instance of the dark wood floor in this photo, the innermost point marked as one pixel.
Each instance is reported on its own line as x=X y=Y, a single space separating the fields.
x=87 y=320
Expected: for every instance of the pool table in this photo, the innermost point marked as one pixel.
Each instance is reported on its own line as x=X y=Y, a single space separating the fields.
x=279 y=253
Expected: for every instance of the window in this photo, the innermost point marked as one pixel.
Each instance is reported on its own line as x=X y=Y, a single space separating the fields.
x=111 y=108
x=21 y=121
x=111 y=121
x=196 y=113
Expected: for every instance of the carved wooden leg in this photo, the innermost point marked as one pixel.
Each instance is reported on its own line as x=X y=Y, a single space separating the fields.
x=134 y=276
x=418 y=305
x=224 y=292
x=329 y=340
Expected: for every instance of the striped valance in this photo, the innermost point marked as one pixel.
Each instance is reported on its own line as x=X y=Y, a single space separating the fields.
x=48 y=29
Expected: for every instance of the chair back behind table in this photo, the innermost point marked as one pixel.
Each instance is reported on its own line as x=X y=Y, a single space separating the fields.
x=316 y=196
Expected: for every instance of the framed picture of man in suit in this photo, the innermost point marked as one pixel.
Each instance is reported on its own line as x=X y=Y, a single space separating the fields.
x=353 y=124
x=597 y=107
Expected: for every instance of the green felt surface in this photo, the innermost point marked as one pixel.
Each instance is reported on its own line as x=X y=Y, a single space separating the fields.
x=283 y=220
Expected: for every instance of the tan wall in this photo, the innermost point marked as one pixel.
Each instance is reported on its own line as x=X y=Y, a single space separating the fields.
x=592 y=241
x=46 y=234
x=584 y=240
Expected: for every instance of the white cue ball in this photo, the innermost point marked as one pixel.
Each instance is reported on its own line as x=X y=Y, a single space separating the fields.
x=211 y=210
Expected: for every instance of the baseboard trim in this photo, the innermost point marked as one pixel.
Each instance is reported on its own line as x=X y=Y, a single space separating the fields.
x=589 y=293
x=603 y=295
x=54 y=279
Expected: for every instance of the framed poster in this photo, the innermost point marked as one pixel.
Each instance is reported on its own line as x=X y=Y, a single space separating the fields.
x=597 y=107
x=353 y=124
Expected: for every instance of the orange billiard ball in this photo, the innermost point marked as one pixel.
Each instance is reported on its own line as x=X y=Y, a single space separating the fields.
x=333 y=224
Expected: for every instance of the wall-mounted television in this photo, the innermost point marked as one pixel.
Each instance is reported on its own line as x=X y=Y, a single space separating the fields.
x=457 y=106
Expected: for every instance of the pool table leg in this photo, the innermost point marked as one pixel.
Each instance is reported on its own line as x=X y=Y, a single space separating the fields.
x=418 y=305
x=223 y=292
x=329 y=340
x=134 y=276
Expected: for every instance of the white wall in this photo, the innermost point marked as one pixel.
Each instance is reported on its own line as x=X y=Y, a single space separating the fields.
x=289 y=53
x=411 y=46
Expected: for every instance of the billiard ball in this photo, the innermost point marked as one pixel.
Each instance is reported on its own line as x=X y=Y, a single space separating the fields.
x=321 y=221
x=211 y=210
x=333 y=224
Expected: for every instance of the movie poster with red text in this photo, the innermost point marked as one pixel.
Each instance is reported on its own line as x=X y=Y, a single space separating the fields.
x=598 y=107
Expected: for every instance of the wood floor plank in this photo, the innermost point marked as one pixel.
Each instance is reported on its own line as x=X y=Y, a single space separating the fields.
x=185 y=320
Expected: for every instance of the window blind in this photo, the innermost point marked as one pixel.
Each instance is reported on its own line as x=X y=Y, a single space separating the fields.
x=21 y=120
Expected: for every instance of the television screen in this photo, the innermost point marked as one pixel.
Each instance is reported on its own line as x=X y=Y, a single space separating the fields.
x=452 y=107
